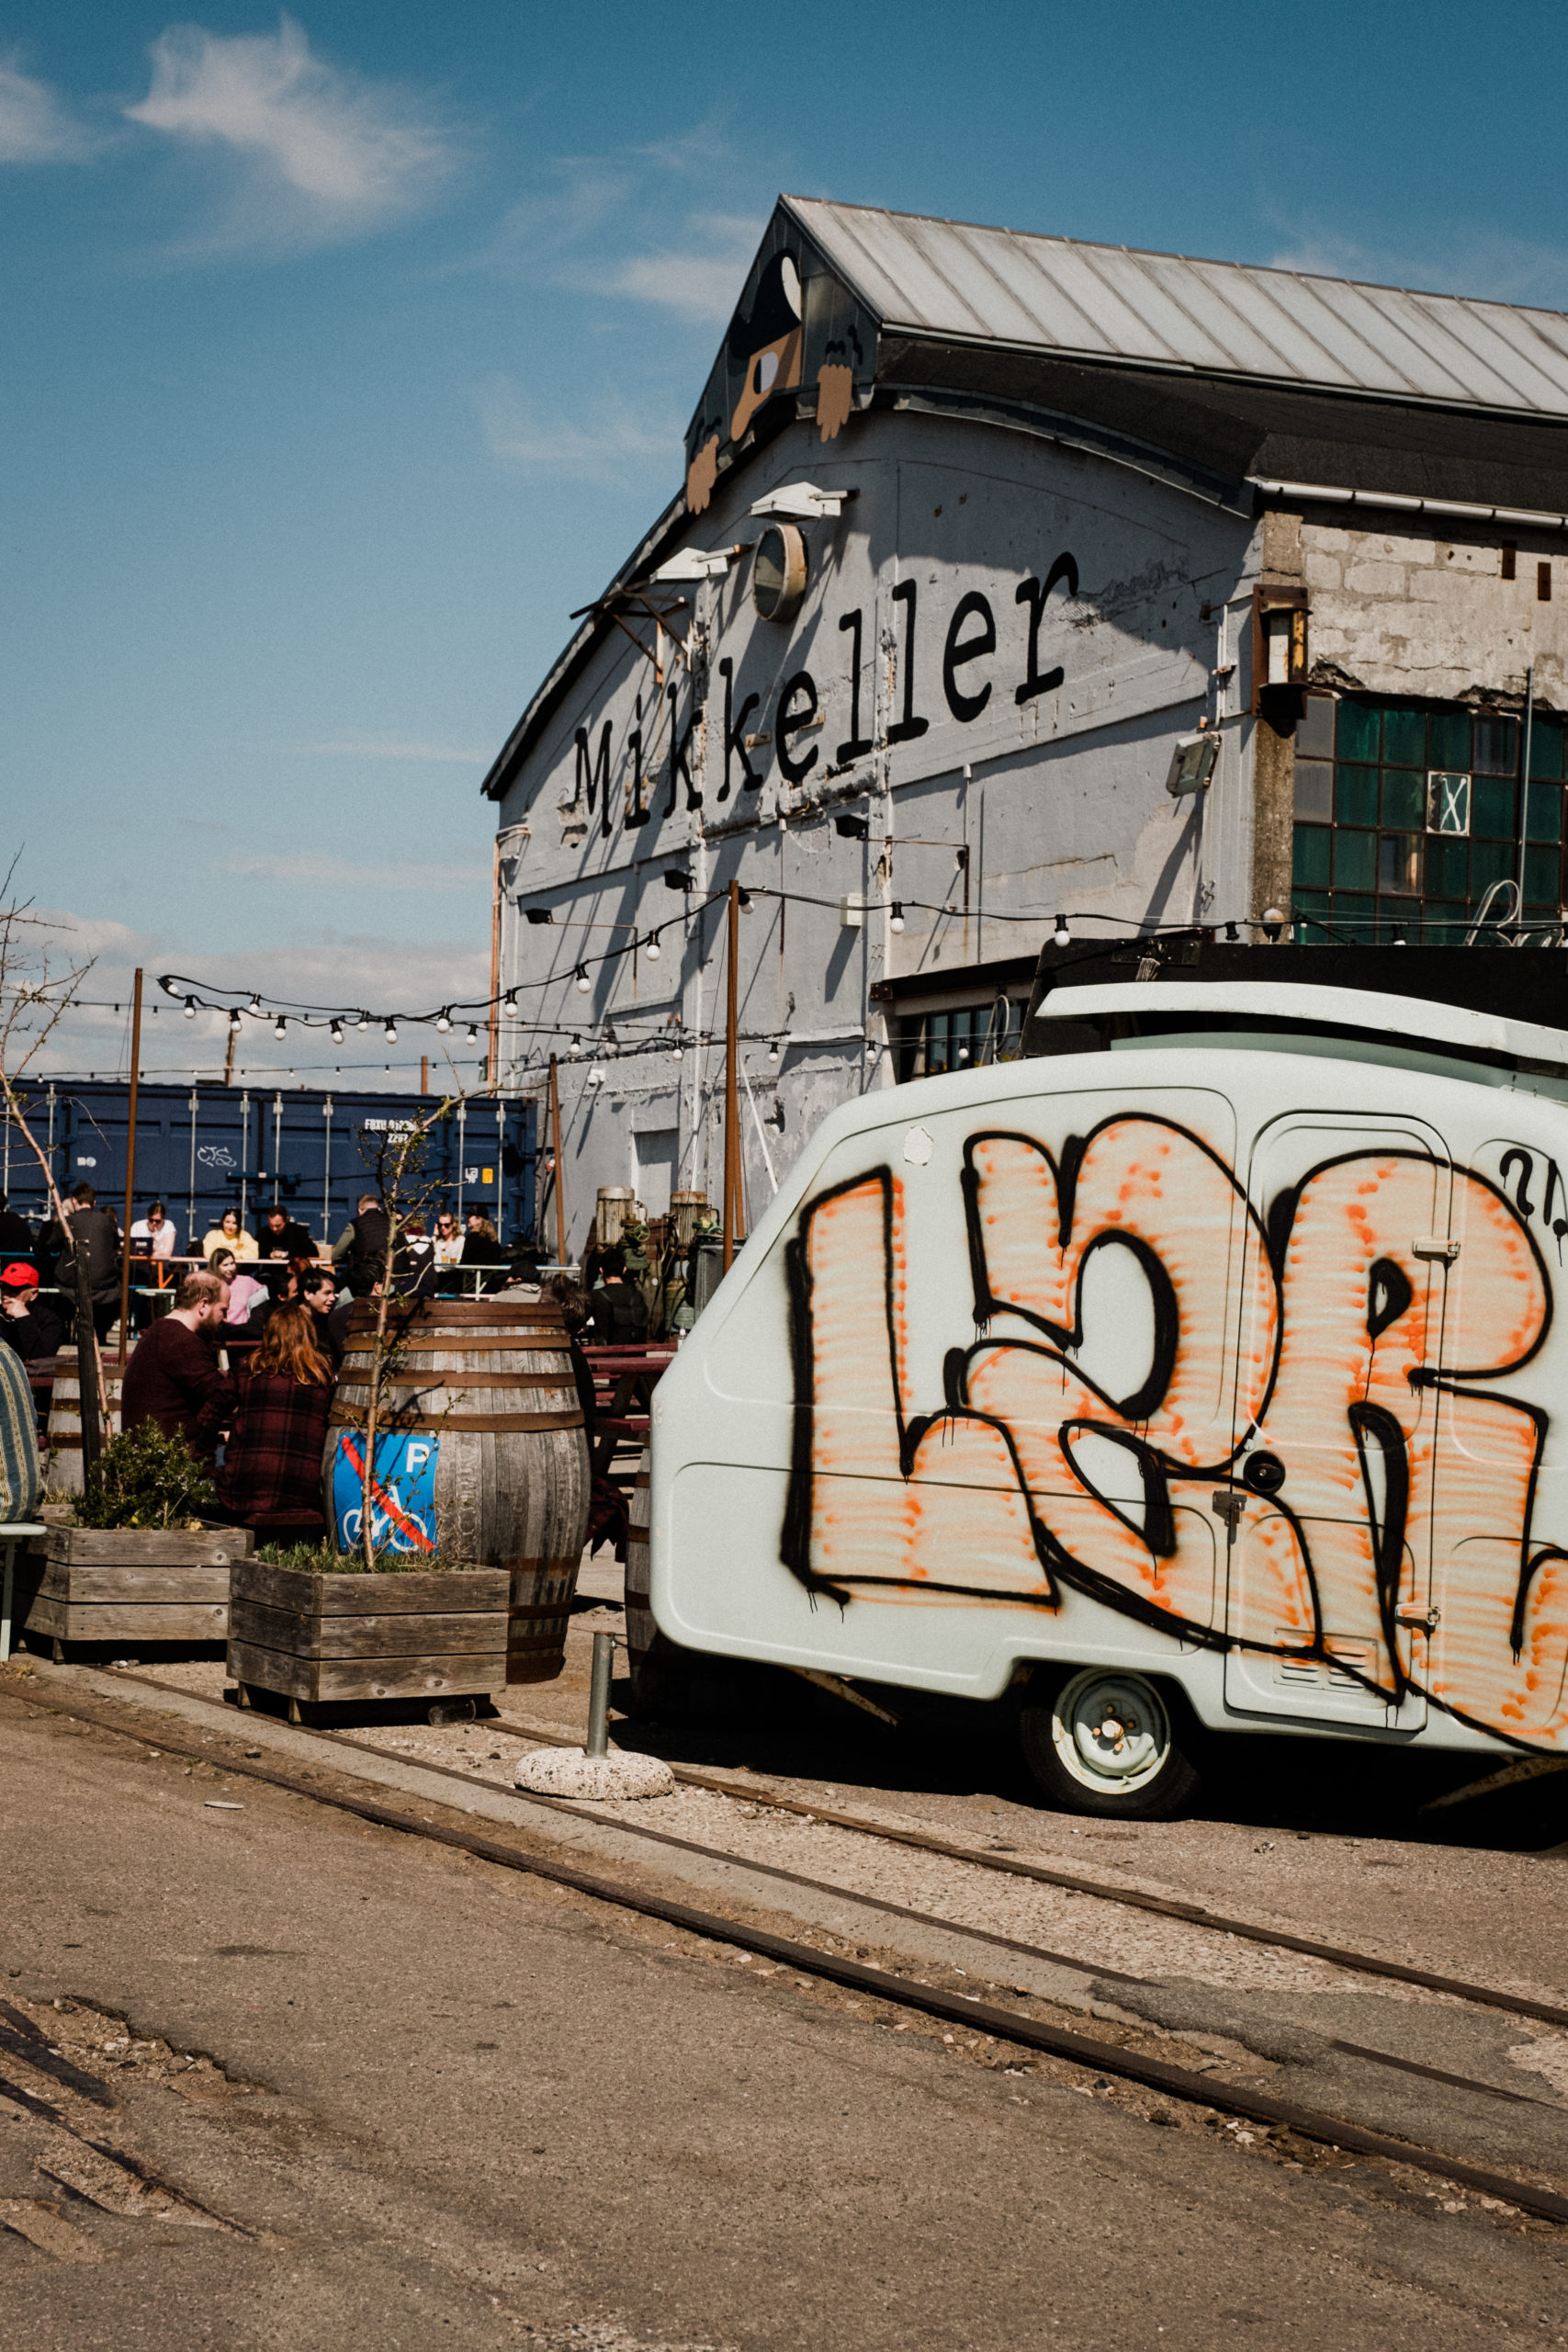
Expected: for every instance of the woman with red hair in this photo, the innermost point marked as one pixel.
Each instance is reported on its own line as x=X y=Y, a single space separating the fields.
x=270 y=1478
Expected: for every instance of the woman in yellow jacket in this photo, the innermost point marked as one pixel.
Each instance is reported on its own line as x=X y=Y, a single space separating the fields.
x=229 y=1233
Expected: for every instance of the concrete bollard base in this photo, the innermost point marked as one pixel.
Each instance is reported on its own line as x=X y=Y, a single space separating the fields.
x=572 y=1772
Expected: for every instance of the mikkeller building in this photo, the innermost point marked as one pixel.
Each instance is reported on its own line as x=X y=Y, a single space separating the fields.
x=1021 y=589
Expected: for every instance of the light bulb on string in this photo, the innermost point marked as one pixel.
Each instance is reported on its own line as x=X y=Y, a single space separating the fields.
x=337 y=1032
x=896 y=922
x=444 y=1021
x=1061 y=936
x=390 y=1033
x=575 y=1048
x=363 y=1023
x=962 y=1053
x=473 y=1032
x=255 y=1004
x=190 y=1008
x=583 y=982
x=511 y=999
x=654 y=950
x=233 y=1023
x=773 y=1049
x=281 y=1028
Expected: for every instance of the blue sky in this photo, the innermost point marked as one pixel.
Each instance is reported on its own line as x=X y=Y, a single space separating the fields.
x=347 y=351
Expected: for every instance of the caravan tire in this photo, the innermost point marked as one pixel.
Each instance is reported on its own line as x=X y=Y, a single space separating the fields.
x=1109 y=1743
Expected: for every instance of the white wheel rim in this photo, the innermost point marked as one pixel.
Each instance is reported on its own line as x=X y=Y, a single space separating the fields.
x=1110 y=1731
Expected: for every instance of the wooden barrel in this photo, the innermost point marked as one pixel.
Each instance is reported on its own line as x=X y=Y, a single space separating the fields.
x=683 y=1207
x=65 y=1439
x=617 y=1209
x=484 y=1455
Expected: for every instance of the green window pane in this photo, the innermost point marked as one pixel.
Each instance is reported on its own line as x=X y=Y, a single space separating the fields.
x=1447 y=740
x=1489 y=862
x=1405 y=738
x=1447 y=861
x=1403 y=797
x=1542 y=882
x=1545 y=819
x=1497 y=745
x=1356 y=796
x=1309 y=865
x=1309 y=909
x=1355 y=917
x=1314 y=729
x=1315 y=791
x=1356 y=733
x=1399 y=863
x=1546 y=749
x=1444 y=927
x=1355 y=861
x=1492 y=807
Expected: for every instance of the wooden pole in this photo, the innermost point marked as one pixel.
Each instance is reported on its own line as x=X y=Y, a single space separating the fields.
x=560 y=1167
x=732 y=1209
x=425 y=1073
x=130 y=1170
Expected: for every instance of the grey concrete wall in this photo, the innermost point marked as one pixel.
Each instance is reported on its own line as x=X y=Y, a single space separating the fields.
x=1058 y=795
x=1398 y=611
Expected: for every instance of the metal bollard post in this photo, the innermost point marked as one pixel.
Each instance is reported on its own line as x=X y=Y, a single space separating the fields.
x=599 y=1695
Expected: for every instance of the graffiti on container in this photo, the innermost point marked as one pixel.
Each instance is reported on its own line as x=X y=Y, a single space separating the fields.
x=1310 y=1463
x=402 y=1492
x=216 y=1155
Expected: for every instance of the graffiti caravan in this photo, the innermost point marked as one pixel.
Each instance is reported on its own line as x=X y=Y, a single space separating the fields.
x=1210 y=1378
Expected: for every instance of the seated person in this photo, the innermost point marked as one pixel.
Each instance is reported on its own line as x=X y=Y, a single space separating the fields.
x=279 y=1236
x=481 y=1247
x=414 y=1265
x=15 y=1233
x=617 y=1314
x=315 y=1287
x=229 y=1233
x=153 y=1236
x=33 y=1326
x=270 y=1478
x=173 y=1376
x=244 y=1289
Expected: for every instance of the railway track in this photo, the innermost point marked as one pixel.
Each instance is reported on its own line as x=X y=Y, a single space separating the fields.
x=1097 y=2052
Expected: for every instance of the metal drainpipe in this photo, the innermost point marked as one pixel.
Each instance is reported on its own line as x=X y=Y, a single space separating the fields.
x=190 y=1206
x=276 y=1143
x=501 y=1171
x=244 y=1150
x=327 y=1177
x=1525 y=801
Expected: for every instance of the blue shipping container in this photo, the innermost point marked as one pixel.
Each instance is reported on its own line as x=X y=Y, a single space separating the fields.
x=202 y=1150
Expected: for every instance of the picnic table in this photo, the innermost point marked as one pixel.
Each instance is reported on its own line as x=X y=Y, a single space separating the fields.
x=624 y=1382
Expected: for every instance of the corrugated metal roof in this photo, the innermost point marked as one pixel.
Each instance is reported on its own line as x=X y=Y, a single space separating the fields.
x=952 y=279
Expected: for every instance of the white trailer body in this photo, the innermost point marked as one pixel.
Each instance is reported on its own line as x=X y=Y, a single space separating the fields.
x=1227 y=1360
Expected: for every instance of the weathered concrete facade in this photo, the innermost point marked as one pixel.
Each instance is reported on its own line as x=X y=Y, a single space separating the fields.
x=911 y=660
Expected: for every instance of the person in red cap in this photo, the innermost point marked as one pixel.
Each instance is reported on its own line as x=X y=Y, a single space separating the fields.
x=30 y=1324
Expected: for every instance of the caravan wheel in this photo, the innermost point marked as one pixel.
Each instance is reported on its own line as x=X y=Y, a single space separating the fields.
x=1105 y=1743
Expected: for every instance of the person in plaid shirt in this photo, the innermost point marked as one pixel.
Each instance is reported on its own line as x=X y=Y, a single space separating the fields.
x=270 y=1478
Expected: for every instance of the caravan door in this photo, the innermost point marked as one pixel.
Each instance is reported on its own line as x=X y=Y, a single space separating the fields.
x=1329 y=1556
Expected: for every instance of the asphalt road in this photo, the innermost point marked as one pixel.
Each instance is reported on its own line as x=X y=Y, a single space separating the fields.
x=435 y=2102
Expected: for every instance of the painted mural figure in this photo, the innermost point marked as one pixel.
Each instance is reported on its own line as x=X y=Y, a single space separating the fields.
x=1312 y=1461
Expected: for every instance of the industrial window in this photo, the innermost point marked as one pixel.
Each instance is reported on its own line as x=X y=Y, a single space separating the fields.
x=931 y=1043
x=1408 y=813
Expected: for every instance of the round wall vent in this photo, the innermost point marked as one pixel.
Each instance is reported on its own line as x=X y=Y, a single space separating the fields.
x=778 y=572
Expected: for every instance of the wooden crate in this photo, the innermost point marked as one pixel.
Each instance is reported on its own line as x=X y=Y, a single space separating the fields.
x=332 y=1638
x=128 y=1584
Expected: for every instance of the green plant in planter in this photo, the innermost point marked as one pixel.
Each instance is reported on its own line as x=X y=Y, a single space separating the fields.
x=322 y=1560
x=145 y=1479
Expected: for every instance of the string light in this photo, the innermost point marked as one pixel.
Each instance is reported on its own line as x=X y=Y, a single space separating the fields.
x=363 y=1023
x=446 y=1021
x=473 y=1032
x=190 y=1008
x=773 y=1049
x=337 y=1032
x=1061 y=936
x=575 y=1048
x=390 y=1033
x=281 y=1028
x=233 y=1022
x=583 y=983
x=654 y=950
x=255 y=1004
x=897 y=919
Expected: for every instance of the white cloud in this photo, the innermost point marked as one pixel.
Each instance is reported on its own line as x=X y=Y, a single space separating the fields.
x=1477 y=262
x=572 y=233
x=404 y=873
x=381 y=974
x=34 y=126
x=611 y=444
x=310 y=152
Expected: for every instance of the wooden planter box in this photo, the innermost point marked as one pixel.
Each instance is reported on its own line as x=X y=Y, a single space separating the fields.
x=330 y=1638
x=128 y=1584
